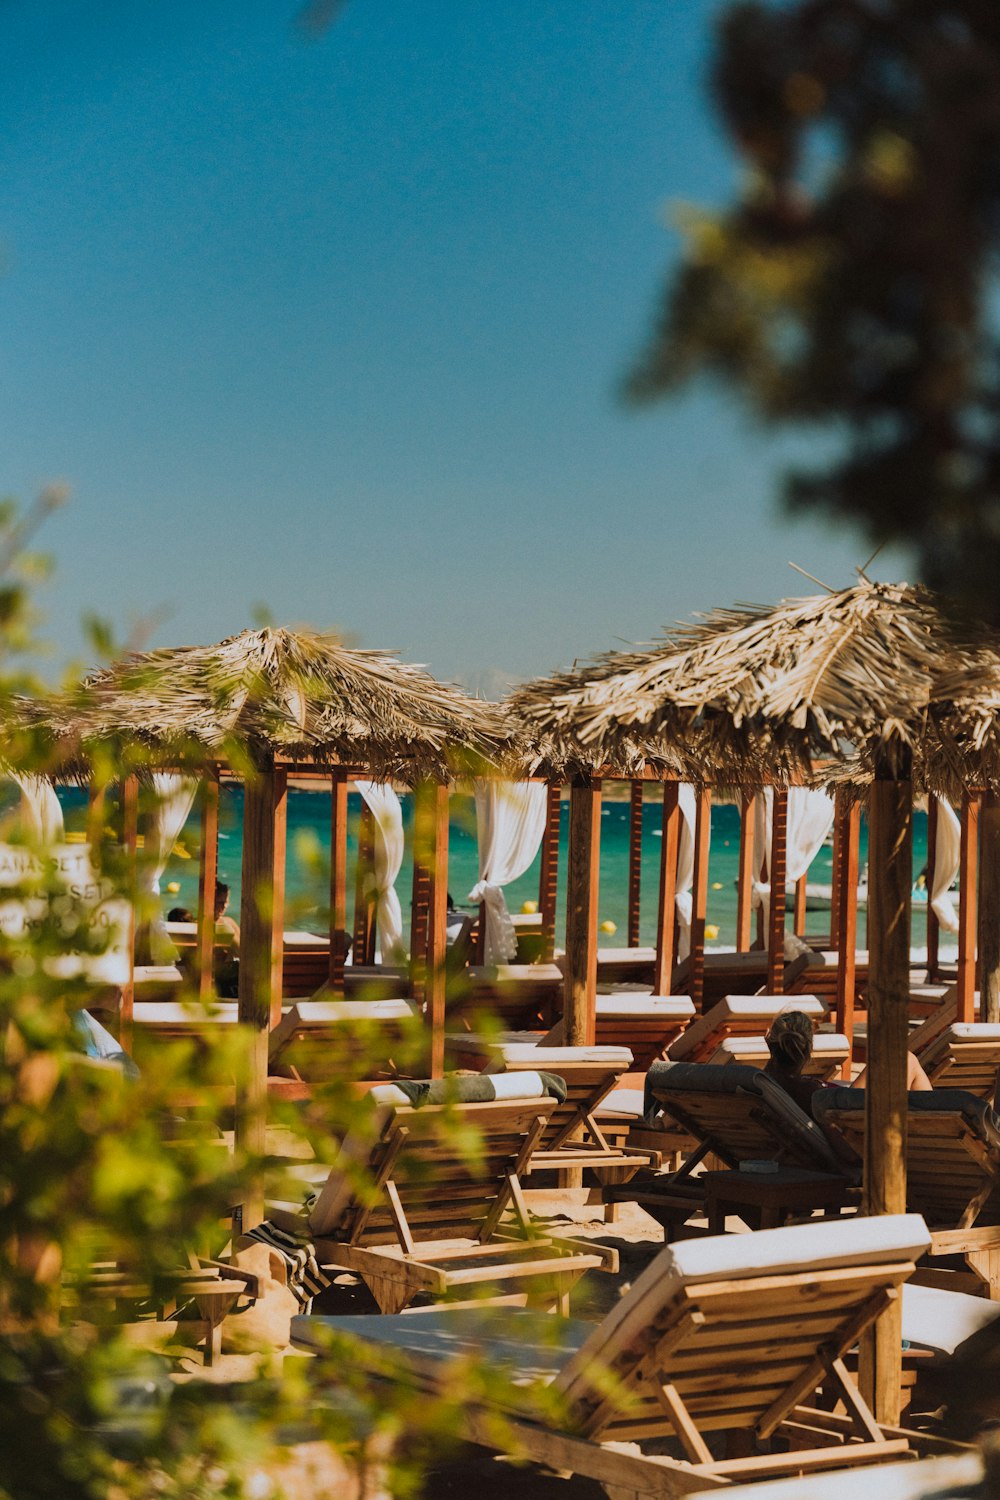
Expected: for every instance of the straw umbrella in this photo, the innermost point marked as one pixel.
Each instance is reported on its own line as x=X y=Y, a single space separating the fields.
x=266 y=702
x=876 y=687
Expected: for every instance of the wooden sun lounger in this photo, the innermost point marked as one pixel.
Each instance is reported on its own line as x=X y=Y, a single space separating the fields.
x=617 y=964
x=738 y=1015
x=726 y=1334
x=431 y=1221
x=965 y=1056
x=516 y=995
x=647 y=1025
x=573 y=1137
x=831 y=1051
x=958 y=1476
x=952 y=1168
x=317 y=1040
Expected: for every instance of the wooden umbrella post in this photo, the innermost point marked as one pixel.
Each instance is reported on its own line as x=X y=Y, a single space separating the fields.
x=699 y=894
x=548 y=879
x=846 y=932
x=430 y=857
x=744 y=883
x=989 y=908
x=338 y=881
x=967 y=869
x=364 y=904
x=666 y=920
x=933 y=926
x=130 y=836
x=890 y=863
x=634 y=862
x=208 y=868
x=776 y=915
x=261 y=942
x=840 y=806
x=582 y=876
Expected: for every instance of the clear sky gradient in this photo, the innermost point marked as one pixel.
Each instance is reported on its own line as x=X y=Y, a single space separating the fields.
x=337 y=326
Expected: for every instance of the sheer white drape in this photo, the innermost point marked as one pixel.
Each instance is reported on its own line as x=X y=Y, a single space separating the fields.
x=688 y=804
x=387 y=814
x=41 y=810
x=174 y=798
x=810 y=818
x=510 y=824
x=946 y=861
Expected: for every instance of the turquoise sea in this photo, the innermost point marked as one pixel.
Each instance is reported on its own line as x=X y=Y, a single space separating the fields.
x=308 y=845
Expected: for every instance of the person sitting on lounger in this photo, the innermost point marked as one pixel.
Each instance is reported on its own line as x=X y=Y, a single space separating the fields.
x=790 y=1043
x=227 y=946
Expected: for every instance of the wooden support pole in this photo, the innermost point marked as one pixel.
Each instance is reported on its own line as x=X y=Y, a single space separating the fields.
x=666 y=917
x=840 y=806
x=419 y=909
x=261 y=942
x=699 y=893
x=130 y=836
x=634 y=862
x=208 y=874
x=890 y=864
x=933 y=925
x=744 y=883
x=430 y=852
x=776 y=870
x=848 y=834
x=364 y=900
x=338 y=881
x=548 y=879
x=582 y=877
x=989 y=909
x=799 y=915
x=967 y=869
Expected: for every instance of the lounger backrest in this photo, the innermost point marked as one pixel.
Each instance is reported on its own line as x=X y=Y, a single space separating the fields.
x=516 y=994
x=733 y=1323
x=647 y=1024
x=830 y=1052
x=447 y=1163
x=316 y=1037
x=965 y=1056
x=738 y=1015
x=740 y=1113
x=952 y=1150
x=818 y=975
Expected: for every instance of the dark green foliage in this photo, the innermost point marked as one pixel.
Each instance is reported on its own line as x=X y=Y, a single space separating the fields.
x=853 y=282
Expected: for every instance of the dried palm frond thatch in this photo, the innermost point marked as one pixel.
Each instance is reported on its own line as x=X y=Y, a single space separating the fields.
x=292 y=694
x=817 y=688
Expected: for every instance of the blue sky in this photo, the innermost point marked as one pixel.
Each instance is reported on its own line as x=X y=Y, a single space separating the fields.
x=337 y=326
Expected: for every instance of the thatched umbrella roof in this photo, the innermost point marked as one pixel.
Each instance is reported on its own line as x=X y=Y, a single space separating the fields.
x=273 y=693
x=820 y=688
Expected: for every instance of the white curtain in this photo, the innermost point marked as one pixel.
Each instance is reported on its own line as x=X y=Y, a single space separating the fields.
x=41 y=810
x=810 y=818
x=688 y=804
x=510 y=823
x=946 y=862
x=387 y=815
x=174 y=797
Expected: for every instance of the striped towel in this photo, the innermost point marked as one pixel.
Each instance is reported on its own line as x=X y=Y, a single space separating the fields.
x=303 y=1273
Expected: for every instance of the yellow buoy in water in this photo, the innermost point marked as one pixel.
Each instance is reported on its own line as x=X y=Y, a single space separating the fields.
x=716 y=885
x=711 y=931
x=609 y=926
x=173 y=888
x=528 y=908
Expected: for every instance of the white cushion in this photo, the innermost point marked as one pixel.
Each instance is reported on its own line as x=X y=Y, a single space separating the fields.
x=932 y=1479
x=800 y=1247
x=670 y=1007
x=321 y=1013
x=549 y=1057
x=528 y=1085
x=172 y=1013
x=625 y=955
x=935 y=1318
x=623 y=1102
x=826 y=1041
x=974 y=1031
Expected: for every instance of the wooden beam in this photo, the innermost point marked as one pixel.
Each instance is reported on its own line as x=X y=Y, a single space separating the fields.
x=338 y=881
x=799 y=915
x=666 y=917
x=364 y=903
x=968 y=862
x=776 y=864
x=989 y=909
x=840 y=805
x=208 y=874
x=261 y=941
x=130 y=838
x=933 y=925
x=744 y=883
x=699 y=893
x=634 y=862
x=890 y=865
x=582 y=878
x=548 y=879
x=848 y=834
x=430 y=851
